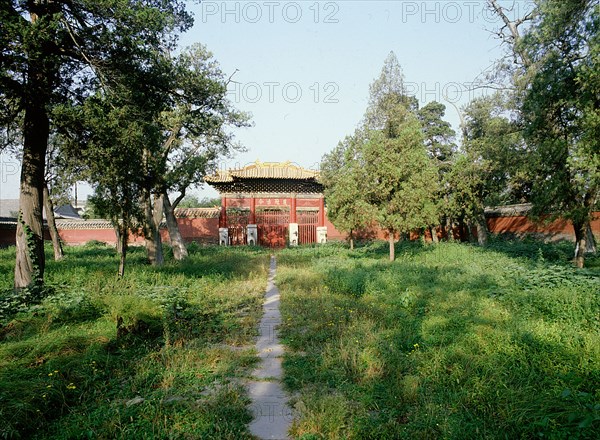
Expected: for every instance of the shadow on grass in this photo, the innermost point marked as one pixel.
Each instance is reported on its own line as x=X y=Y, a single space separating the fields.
x=421 y=349
x=66 y=368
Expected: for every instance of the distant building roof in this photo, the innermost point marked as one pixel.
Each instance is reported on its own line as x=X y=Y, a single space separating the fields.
x=264 y=170
x=67 y=211
x=508 y=210
x=8 y=223
x=9 y=208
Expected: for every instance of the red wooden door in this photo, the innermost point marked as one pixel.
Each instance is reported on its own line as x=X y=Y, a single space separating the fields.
x=237 y=225
x=307 y=227
x=272 y=228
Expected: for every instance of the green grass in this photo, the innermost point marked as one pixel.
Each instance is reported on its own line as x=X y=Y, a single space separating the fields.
x=174 y=370
x=449 y=341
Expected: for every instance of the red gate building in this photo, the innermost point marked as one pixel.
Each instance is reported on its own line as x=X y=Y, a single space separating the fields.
x=270 y=204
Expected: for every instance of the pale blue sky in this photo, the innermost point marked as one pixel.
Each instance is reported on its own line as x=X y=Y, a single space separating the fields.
x=304 y=68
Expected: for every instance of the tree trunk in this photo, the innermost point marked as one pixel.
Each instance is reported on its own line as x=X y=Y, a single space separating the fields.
x=590 y=240
x=30 y=262
x=41 y=75
x=434 y=236
x=449 y=229
x=463 y=230
x=482 y=230
x=49 y=208
x=580 y=242
x=179 y=250
x=122 y=246
x=392 y=246
x=351 y=240
x=157 y=216
x=151 y=232
x=118 y=243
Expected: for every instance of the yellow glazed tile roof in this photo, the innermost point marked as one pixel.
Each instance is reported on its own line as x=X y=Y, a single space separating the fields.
x=264 y=170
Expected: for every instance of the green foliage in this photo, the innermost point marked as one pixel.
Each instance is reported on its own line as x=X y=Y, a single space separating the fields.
x=191 y=201
x=438 y=134
x=402 y=181
x=493 y=143
x=449 y=341
x=196 y=124
x=382 y=173
x=343 y=177
x=561 y=98
x=170 y=370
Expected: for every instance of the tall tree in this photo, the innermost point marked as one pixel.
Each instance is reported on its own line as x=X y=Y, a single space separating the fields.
x=383 y=172
x=195 y=129
x=343 y=176
x=386 y=94
x=493 y=167
x=561 y=109
x=401 y=179
x=113 y=155
x=55 y=51
x=60 y=177
x=439 y=142
x=559 y=98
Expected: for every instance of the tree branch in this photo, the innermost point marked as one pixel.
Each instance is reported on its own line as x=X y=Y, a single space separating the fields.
x=514 y=38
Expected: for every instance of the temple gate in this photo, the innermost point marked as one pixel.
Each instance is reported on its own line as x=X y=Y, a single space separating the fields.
x=271 y=204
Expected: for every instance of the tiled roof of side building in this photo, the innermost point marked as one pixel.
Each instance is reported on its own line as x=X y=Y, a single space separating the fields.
x=83 y=224
x=264 y=170
x=508 y=210
x=197 y=212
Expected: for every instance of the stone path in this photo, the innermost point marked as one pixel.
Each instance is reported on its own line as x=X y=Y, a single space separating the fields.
x=272 y=415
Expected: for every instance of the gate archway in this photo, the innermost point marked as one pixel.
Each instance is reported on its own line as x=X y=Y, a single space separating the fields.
x=272 y=226
x=269 y=201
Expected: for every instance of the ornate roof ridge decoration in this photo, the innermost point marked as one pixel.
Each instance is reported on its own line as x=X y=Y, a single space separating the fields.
x=264 y=170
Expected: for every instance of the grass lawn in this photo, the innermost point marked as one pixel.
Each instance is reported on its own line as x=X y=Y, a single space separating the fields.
x=173 y=368
x=449 y=341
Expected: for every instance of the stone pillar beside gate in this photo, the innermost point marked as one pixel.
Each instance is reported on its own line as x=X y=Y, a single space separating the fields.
x=223 y=231
x=293 y=234
x=322 y=234
x=321 y=228
x=224 y=236
x=293 y=227
x=252 y=235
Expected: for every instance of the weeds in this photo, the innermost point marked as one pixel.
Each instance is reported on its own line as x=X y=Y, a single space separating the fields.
x=148 y=356
x=450 y=341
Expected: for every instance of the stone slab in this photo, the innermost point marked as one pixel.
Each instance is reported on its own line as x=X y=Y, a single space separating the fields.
x=272 y=414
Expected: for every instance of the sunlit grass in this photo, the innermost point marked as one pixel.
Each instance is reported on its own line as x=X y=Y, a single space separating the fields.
x=172 y=370
x=449 y=341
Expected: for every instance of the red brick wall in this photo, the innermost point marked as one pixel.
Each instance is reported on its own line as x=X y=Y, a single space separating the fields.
x=203 y=230
x=82 y=236
x=206 y=230
x=521 y=225
x=7 y=236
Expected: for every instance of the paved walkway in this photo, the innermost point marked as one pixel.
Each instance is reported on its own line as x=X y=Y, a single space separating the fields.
x=272 y=415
